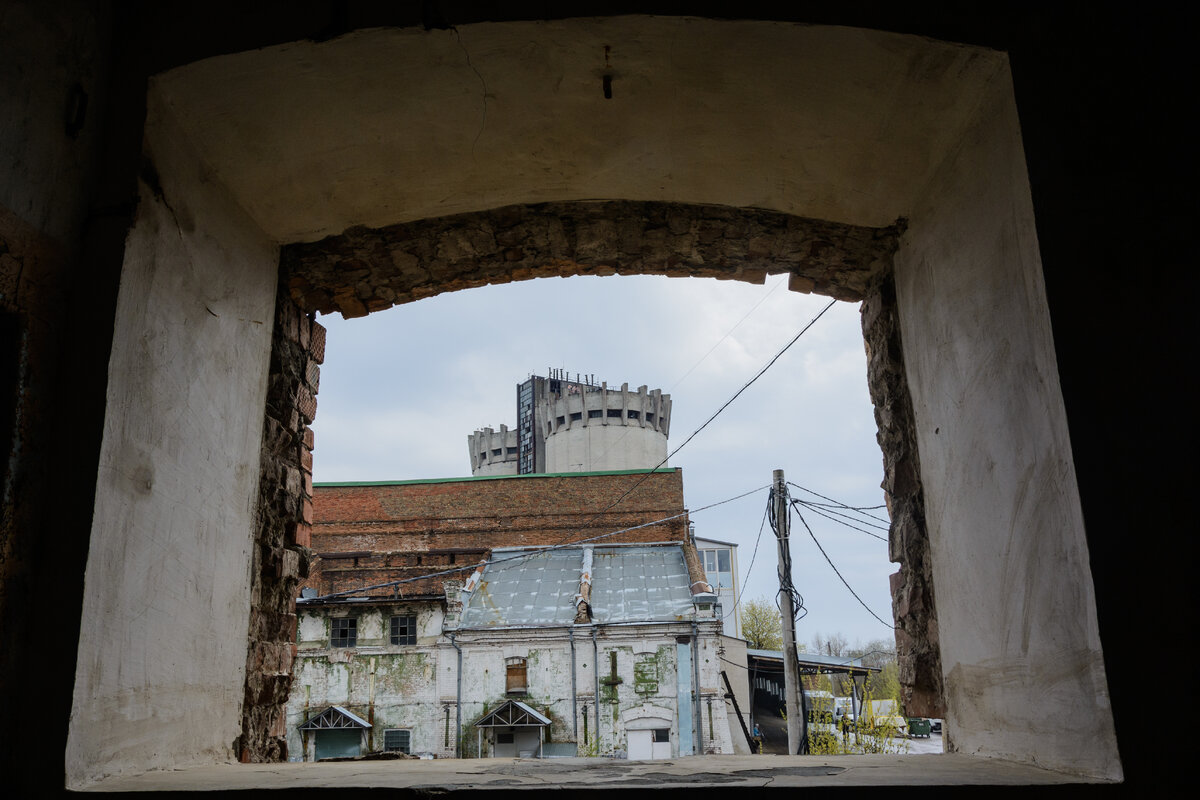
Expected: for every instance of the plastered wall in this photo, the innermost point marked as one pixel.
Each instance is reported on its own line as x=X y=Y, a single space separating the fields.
x=169 y=562
x=1021 y=655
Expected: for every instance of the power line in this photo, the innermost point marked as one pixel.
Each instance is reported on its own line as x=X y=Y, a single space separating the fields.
x=827 y=515
x=737 y=600
x=717 y=413
x=796 y=508
x=728 y=333
x=843 y=505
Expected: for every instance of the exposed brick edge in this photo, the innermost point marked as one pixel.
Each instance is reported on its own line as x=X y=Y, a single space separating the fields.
x=917 y=644
x=370 y=269
x=281 y=557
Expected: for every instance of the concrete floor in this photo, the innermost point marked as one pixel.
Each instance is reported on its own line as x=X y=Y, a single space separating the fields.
x=433 y=777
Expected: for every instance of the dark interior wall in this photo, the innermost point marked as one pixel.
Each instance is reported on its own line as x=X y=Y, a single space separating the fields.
x=1099 y=93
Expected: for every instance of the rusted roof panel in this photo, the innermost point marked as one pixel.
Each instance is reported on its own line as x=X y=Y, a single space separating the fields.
x=629 y=584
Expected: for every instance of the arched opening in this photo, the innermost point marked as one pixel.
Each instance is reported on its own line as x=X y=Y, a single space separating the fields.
x=838 y=136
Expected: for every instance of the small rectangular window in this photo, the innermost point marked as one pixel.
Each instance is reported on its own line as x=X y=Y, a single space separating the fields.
x=343 y=632
x=614 y=412
x=404 y=629
x=594 y=413
x=635 y=414
x=662 y=734
x=498 y=452
x=397 y=741
x=576 y=416
x=649 y=417
x=562 y=421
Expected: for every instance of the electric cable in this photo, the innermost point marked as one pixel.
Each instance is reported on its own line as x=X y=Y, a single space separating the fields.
x=827 y=516
x=844 y=506
x=795 y=507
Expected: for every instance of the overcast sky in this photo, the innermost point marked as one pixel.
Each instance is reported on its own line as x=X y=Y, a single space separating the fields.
x=401 y=390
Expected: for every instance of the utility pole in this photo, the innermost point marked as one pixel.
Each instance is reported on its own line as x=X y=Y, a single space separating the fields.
x=791 y=666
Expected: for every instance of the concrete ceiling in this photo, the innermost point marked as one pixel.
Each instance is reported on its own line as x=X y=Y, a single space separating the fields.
x=390 y=125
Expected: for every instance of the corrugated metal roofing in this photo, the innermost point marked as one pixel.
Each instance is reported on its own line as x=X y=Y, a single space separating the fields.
x=629 y=584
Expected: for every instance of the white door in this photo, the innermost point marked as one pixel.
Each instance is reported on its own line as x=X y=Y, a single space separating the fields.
x=641 y=745
x=660 y=743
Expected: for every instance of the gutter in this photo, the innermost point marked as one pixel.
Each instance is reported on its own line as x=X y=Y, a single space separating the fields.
x=574 y=700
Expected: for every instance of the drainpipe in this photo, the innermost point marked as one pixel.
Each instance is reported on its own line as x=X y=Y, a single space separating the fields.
x=371 y=707
x=574 y=701
x=697 y=720
x=596 y=678
x=458 y=701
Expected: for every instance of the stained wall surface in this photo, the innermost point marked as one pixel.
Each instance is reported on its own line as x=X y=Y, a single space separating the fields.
x=1021 y=653
x=163 y=636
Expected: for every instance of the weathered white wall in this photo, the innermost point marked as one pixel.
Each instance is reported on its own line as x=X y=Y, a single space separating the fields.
x=1020 y=647
x=162 y=647
x=595 y=448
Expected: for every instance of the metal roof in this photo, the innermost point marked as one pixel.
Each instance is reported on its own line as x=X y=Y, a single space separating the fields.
x=629 y=584
x=813 y=659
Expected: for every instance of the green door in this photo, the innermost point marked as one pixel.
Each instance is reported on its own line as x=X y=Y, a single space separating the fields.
x=339 y=743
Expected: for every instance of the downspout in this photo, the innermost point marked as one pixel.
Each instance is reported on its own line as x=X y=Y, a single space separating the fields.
x=574 y=700
x=596 y=688
x=458 y=700
x=697 y=719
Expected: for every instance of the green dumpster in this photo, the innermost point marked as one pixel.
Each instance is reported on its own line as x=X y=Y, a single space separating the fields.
x=918 y=726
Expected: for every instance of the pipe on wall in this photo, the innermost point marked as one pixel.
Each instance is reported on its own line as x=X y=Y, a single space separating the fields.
x=697 y=719
x=596 y=683
x=457 y=701
x=574 y=700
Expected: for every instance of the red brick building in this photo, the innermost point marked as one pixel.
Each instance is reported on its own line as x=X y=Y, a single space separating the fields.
x=374 y=532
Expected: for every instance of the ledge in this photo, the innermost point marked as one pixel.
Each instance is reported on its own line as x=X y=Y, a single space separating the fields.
x=448 y=775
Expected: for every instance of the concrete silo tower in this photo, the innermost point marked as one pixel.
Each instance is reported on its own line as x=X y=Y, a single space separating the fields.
x=566 y=425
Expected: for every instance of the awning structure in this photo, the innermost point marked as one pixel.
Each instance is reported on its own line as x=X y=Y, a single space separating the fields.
x=334 y=718
x=513 y=714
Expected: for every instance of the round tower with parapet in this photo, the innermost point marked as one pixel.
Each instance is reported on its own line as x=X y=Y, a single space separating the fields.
x=575 y=425
x=589 y=428
x=493 y=452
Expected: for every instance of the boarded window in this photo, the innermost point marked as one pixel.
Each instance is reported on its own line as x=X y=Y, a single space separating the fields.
x=343 y=632
x=397 y=740
x=515 y=682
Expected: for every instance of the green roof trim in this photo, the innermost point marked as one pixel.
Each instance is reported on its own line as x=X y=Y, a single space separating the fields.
x=662 y=470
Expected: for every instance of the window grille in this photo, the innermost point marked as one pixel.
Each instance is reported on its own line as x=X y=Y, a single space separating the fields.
x=344 y=632
x=404 y=629
x=397 y=740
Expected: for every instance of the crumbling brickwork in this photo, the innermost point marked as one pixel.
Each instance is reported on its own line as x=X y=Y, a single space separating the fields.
x=913 y=607
x=365 y=270
x=281 y=556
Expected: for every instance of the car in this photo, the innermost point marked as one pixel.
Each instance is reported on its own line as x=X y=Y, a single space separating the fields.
x=935 y=726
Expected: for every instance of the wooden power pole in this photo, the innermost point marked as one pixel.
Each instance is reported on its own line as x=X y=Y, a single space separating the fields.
x=791 y=667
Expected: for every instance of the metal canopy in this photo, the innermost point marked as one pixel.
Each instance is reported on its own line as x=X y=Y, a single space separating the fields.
x=513 y=714
x=334 y=718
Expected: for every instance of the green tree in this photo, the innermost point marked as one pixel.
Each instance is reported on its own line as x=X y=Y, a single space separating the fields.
x=761 y=625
